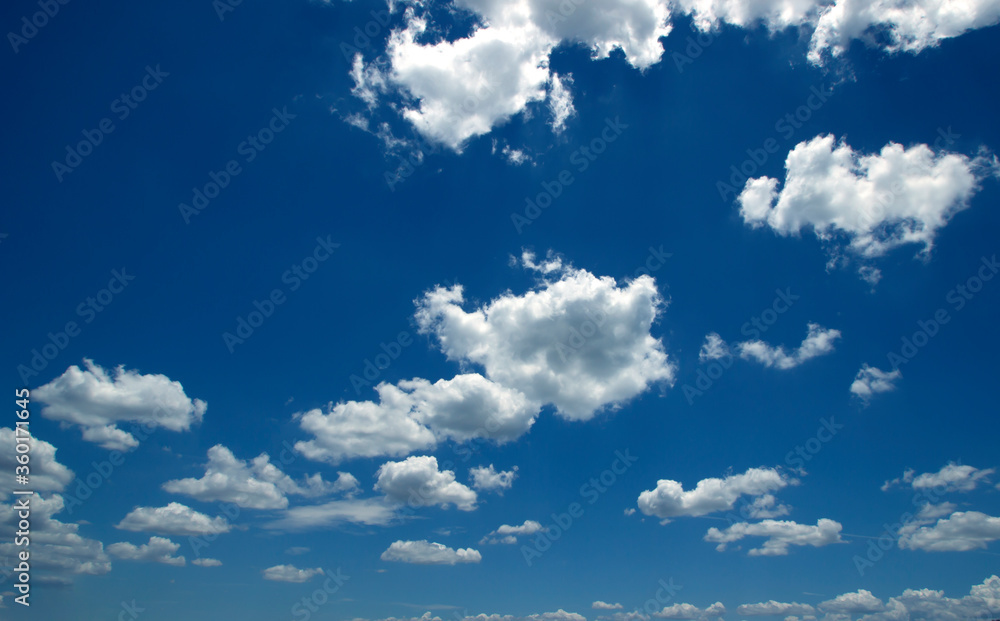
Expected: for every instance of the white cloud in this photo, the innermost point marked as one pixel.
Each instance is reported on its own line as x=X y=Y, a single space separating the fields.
x=560 y=101
x=207 y=562
x=508 y=534
x=983 y=602
x=427 y=553
x=960 y=532
x=713 y=348
x=818 y=341
x=173 y=519
x=486 y=478
x=853 y=603
x=58 y=551
x=877 y=202
x=290 y=573
x=415 y=415
x=871 y=381
x=599 y=605
x=47 y=474
x=368 y=511
x=950 y=478
x=689 y=611
x=257 y=484
x=417 y=481
x=669 y=499
x=158 y=550
x=96 y=401
x=576 y=341
x=775 y=608
x=779 y=534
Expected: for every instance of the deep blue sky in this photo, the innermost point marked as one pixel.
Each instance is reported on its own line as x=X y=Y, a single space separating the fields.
x=449 y=222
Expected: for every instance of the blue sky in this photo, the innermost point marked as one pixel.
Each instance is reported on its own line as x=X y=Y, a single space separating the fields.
x=602 y=310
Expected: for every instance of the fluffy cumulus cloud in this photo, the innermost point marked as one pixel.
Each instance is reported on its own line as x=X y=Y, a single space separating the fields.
x=415 y=415
x=982 y=602
x=486 y=478
x=158 y=550
x=424 y=552
x=853 y=603
x=97 y=401
x=417 y=481
x=509 y=534
x=173 y=519
x=960 y=532
x=58 y=551
x=689 y=611
x=257 y=484
x=864 y=204
x=775 y=608
x=207 y=562
x=579 y=342
x=669 y=499
x=950 y=478
x=779 y=536
x=818 y=342
x=599 y=605
x=871 y=381
x=47 y=474
x=290 y=573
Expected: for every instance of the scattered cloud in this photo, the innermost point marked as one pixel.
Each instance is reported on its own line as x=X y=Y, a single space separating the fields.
x=290 y=573
x=47 y=474
x=669 y=499
x=775 y=608
x=488 y=479
x=417 y=481
x=427 y=553
x=158 y=550
x=871 y=381
x=819 y=341
x=950 y=478
x=509 y=534
x=780 y=535
x=859 y=602
x=173 y=519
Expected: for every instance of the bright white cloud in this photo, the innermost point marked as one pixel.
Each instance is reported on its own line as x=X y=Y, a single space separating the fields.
x=775 y=608
x=486 y=478
x=983 y=602
x=427 y=553
x=97 y=401
x=853 y=603
x=669 y=499
x=713 y=348
x=58 y=551
x=257 y=484
x=47 y=474
x=290 y=573
x=780 y=535
x=158 y=550
x=819 y=341
x=878 y=201
x=950 y=478
x=418 y=482
x=560 y=101
x=579 y=342
x=207 y=562
x=599 y=605
x=415 y=415
x=871 y=381
x=960 y=532
x=173 y=519
x=508 y=534
x=368 y=511
x=689 y=611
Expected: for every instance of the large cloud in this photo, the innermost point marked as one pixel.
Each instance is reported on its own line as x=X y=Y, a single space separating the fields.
x=417 y=481
x=853 y=603
x=97 y=401
x=960 y=532
x=779 y=534
x=47 y=474
x=428 y=553
x=876 y=202
x=415 y=415
x=255 y=485
x=669 y=499
x=173 y=519
x=579 y=342
x=58 y=551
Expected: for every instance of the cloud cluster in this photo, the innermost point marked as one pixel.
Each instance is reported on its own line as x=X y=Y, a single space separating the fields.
x=173 y=519
x=417 y=481
x=158 y=550
x=818 y=342
x=98 y=401
x=669 y=499
x=290 y=573
x=508 y=534
x=486 y=478
x=424 y=552
x=779 y=534
x=871 y=381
